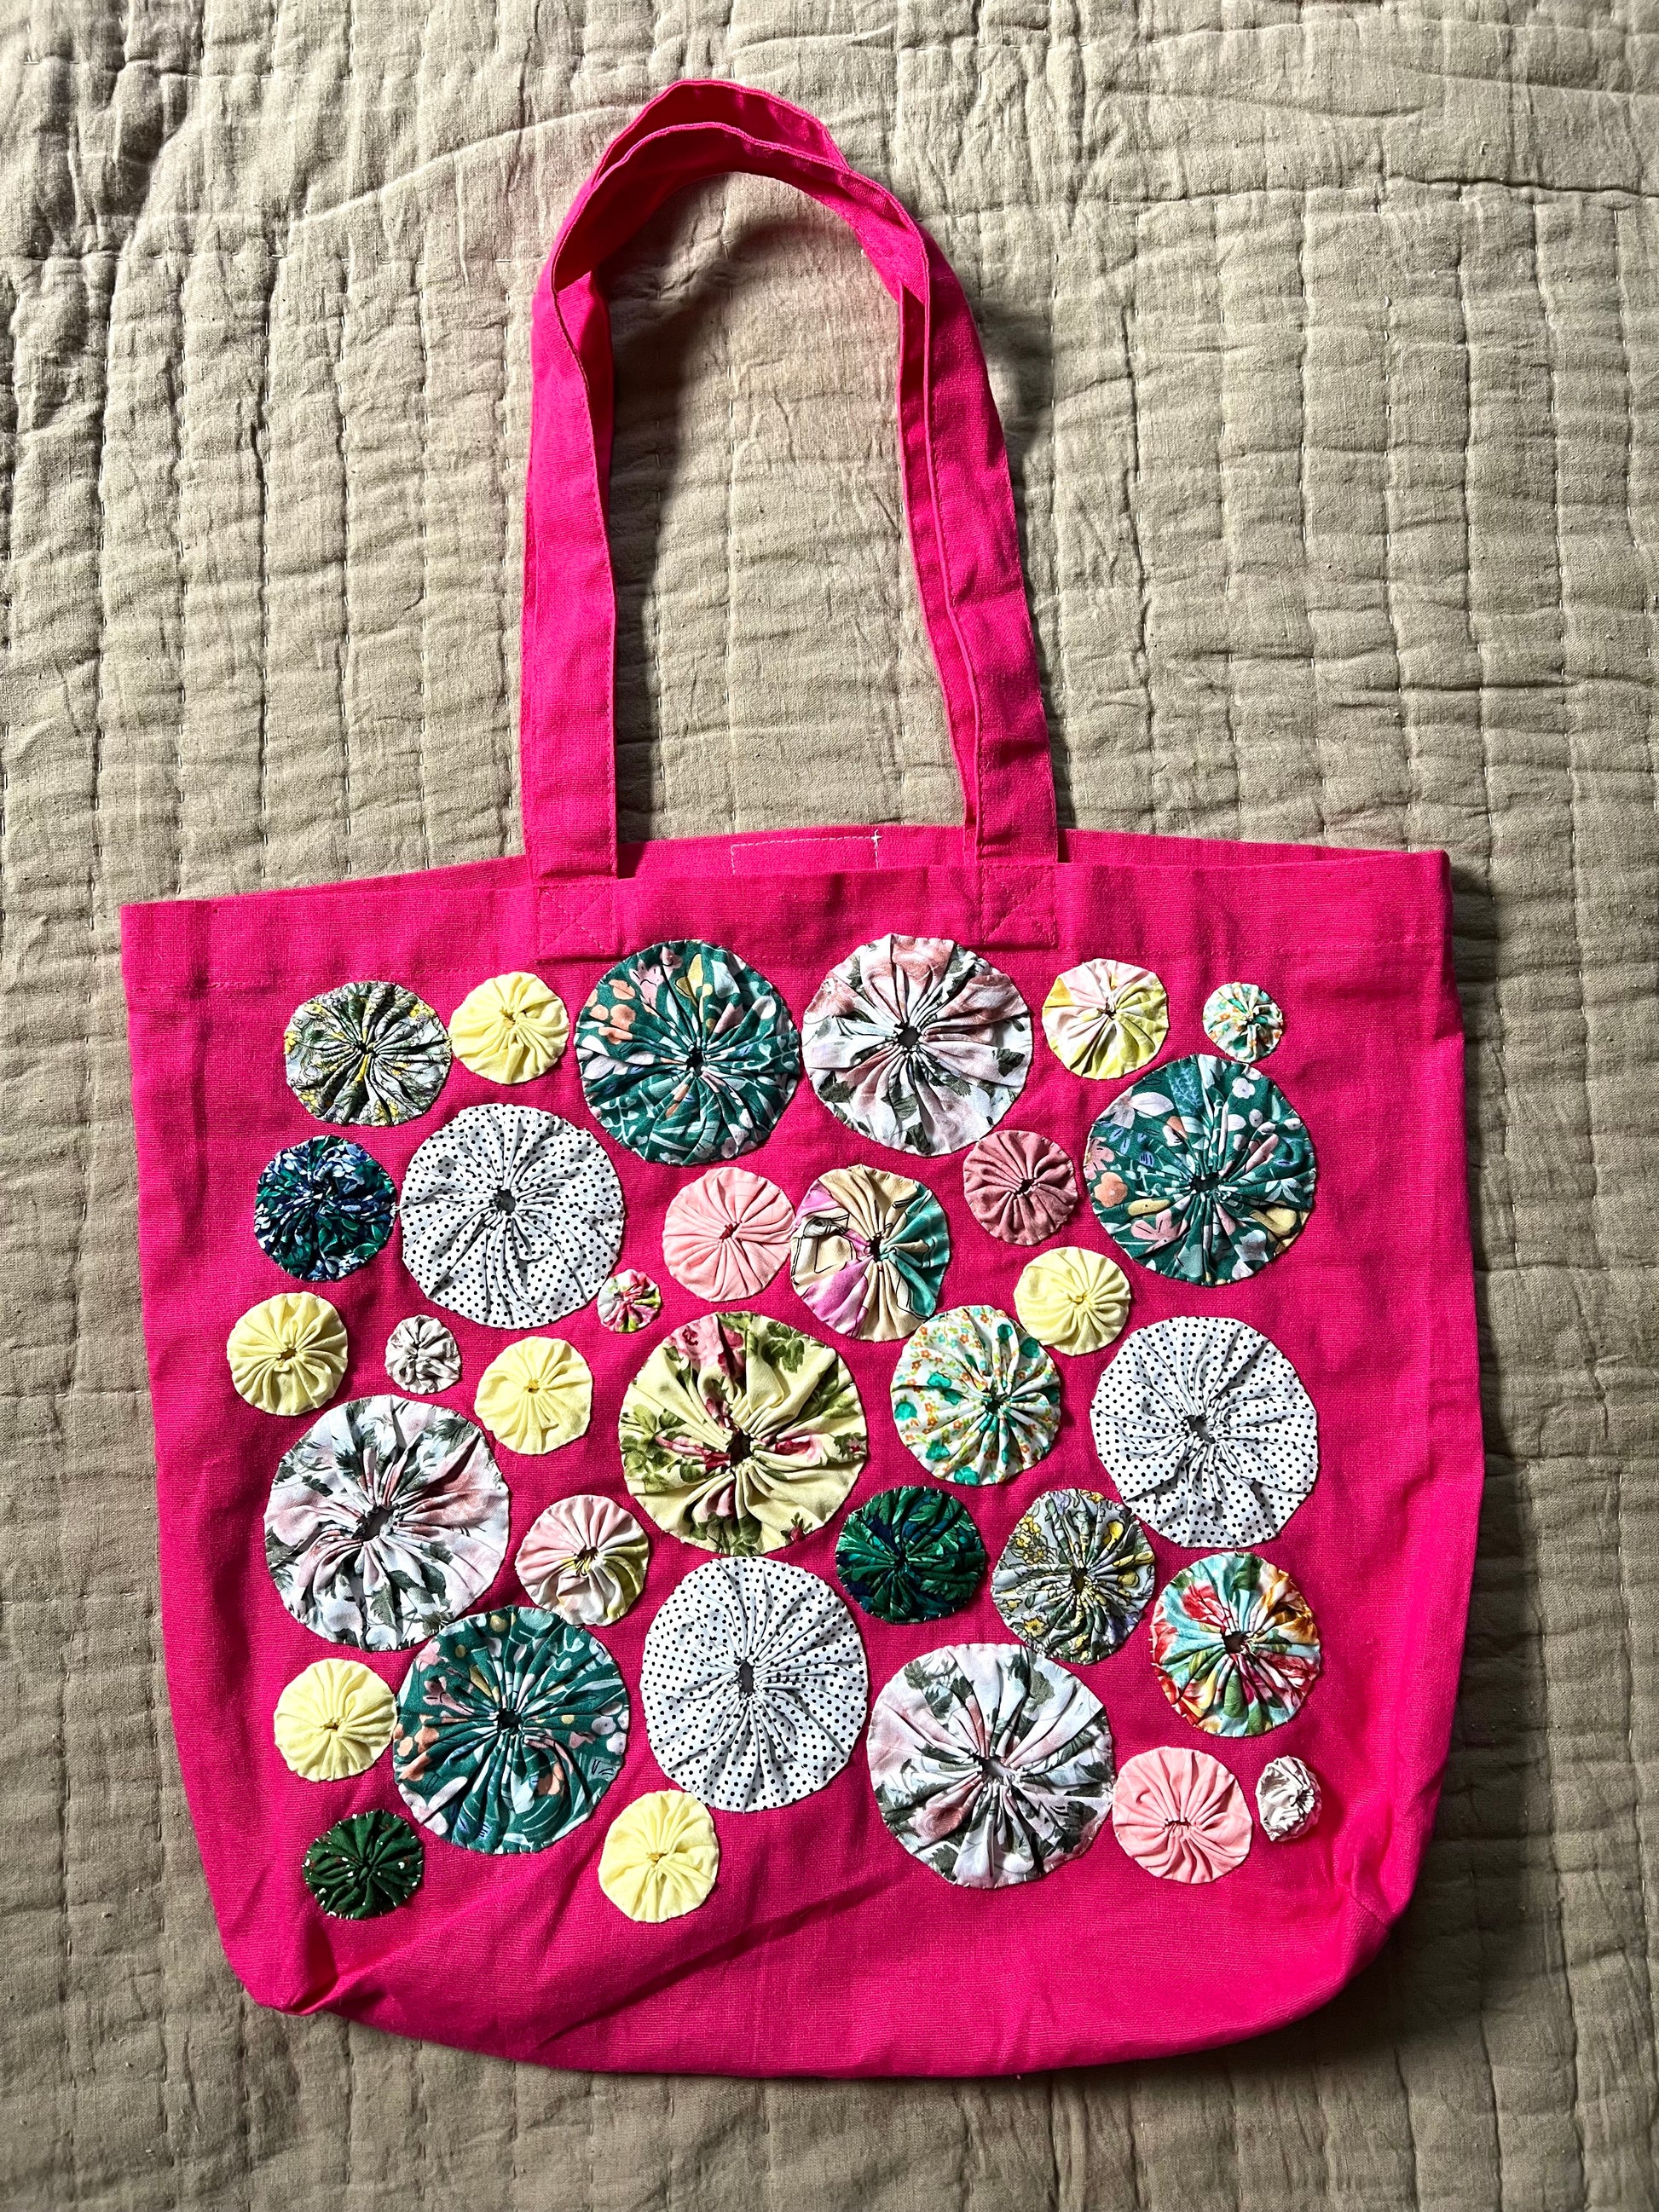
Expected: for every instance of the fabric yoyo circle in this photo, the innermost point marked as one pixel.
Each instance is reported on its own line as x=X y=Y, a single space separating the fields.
x=1106 y=1019
x=512 y=1725
x=869 y=1252
x=536 y=1394
x=740 y=1433
x=1288 y=1799
x=512 y=1216
x=367 y=1864
x=974 y=1398
x=687 y=1053
x=754 y=1685
x=1075 y=1576
x=1206 y=1430
x=1241 y=1020
x=387 y=1519
x=627 y=1301
x=660 y=1857
x=322 y=1208
x=917 y=1043
x=370 y=1053
x=910 y=1554
x=583 y=1559
x=1204 y=1172
x=1180 y=1814
x=1019 y=1185
x=334 y=1720
x=990 y=1765
x=1073 y=1299
x=422 y=1357
x=1235 y=1645
x=510 y=1029
x=726 y=1234
x=288 y=1354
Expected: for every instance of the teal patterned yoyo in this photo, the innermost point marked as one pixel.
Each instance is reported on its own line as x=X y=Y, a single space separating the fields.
x=910 y=1554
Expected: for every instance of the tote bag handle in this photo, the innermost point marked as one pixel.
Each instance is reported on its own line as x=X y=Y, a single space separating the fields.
x=959 y=501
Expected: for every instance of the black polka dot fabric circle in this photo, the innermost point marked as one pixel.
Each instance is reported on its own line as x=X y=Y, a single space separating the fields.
x=1206 y=1430
x=754 y=1684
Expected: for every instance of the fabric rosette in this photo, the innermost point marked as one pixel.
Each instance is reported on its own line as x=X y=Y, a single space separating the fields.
x=627 y=1301
x=367 y=1052
x=536 y=1396
x=660 y=1857
x=583 y=1559
x=333 y=1721
x=1073 y=1299
x=1288 y=1799
x=322 y=1209
x=869 y=1252
x=726 y=1234
x=1180 y=1814
x=1075 y=1576
x=910 y=1554
x=1019 y=1185
x=1241 y=1020
x=1106 y=1019
x=1235 y=1645
x=422 y=1356
x=510 y=1029
x=367 y=1864
x=974 y=1398
x=287 y=1354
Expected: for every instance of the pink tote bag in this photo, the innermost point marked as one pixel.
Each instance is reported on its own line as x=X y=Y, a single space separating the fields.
x=808 y=1453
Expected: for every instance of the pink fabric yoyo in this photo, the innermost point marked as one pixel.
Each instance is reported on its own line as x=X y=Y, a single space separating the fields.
x=727 y=1234
x=1021 y=1186
x=1180 y=1814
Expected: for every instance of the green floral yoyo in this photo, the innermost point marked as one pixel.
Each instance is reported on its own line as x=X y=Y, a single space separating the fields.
x=367 y=1864
x=367 y=1052
x=1075 y=1575
x=322 y=1209
x=910 y=1554
x=974 y=1398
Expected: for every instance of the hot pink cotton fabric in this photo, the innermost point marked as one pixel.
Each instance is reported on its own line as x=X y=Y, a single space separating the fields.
x=825 y=1948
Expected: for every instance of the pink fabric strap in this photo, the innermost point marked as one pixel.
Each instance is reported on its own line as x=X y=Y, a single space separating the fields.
x=957 y=495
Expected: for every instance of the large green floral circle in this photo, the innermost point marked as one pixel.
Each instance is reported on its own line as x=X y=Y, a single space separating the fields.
x=367 y=1864
x=910 y=1554
x=974 y=1398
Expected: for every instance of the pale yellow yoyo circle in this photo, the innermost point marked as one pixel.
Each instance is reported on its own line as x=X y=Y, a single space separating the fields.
x=334 y=1720
x=536 y=1394
x=660 y=1857
x=288 y=1354
x=511 y=1029
x=1073 y=1299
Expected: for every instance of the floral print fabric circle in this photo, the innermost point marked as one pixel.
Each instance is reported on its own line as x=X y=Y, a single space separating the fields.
x=918 y=1043
x=974 y=1398
x=422 y=1357
x=583 y=1559
x=1075 y=1576
x=1236 y=1648
x=1106 y=1019
x=726 y=1234
x=687 y=1053
x=1241 y=1020
x=1020 y=1186
x=512 y=1216
x=910 y=1554
x=368 y=1052
x=1180 y=1814
x=754 y=1685
x=511 y=1727
x=741 y=1434
x=990 y=1765
x=1205 y=1429
x=322 y=1209
x=367 y=1864
x=1203 y=1172
x=627 y=1301
x=870 y=1252
x=386 y=1520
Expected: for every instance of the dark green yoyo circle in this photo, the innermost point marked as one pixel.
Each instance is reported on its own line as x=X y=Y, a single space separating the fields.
x=367 y=1864
x=910 y=1554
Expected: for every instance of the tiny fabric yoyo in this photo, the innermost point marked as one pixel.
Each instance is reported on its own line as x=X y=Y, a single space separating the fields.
x=511 y=1727
x=754 y=1685
x=660 y=1857
x=726 y=1234
x=1019 y=1185
x=334 y=1720
x=990 y=1765
x=627 y=1301
x=869 y=1252
x=387 y=1519
x=1203 y=1171
x=1105 y=1018
x=512 y=1216
x=741 y=1434
x=367 y=1052
x=1205 y=1428
x=322 y=1209
x=1288 y=1799
x=536 y=1394
x=687 y=1053
x=583 y=1559
x=910 y=1554
x=510 y=1029
x=367 y=1864
x=1075 y=1575
x=287 y=1354
x=917 y=1043
x=1071 y=1299
x=422 y=1356
x=1241 y=1020
x=974 y=1398
x=1235 y=1645
x=1181 y=1815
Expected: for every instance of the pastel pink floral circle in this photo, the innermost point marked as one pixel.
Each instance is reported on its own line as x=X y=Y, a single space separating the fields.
x=727 y=1234
x=1019 y=1185
x=583 y=1559
x=1180 y=1814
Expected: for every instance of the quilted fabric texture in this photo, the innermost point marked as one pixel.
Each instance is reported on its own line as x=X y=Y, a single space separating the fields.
x=1328 y=342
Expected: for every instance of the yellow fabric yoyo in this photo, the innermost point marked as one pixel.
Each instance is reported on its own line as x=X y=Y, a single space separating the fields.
x=511 y=1029
x=1073 y=1299
x=334 y=1720
x=288 y=1354
x=660 y=1857
x=536 y=1394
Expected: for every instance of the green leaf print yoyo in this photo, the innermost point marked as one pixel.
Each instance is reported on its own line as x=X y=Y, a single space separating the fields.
x=367 y=1864
x=910 y=1554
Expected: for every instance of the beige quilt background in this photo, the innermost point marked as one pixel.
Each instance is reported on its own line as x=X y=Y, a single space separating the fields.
x=1327 y=340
